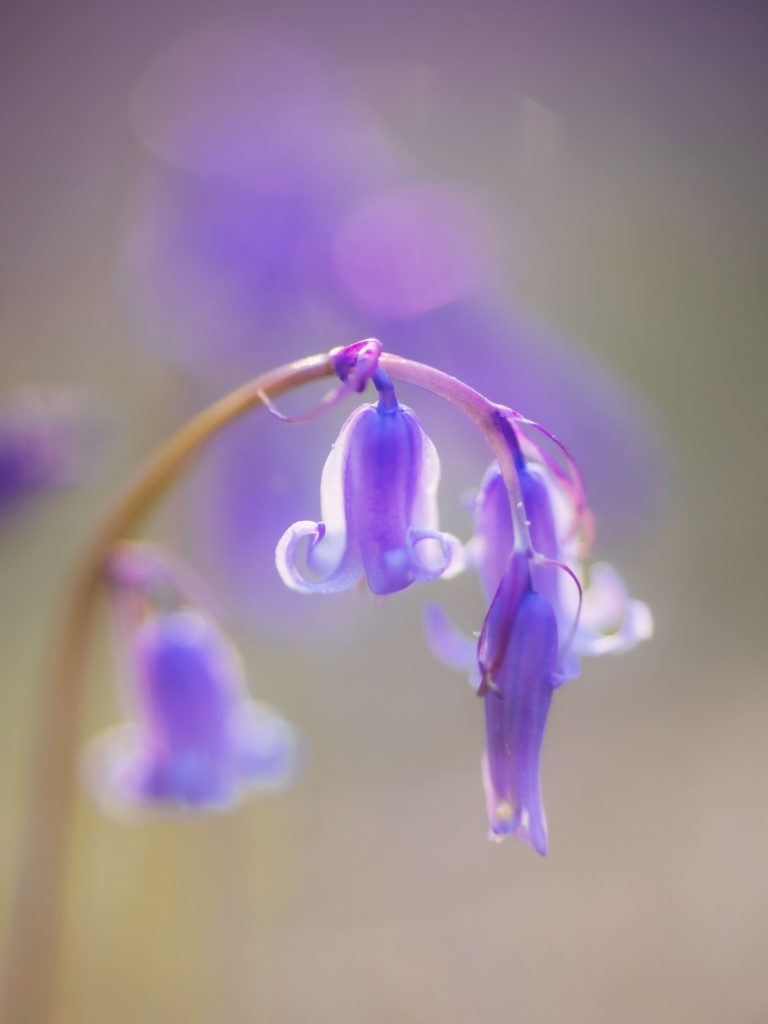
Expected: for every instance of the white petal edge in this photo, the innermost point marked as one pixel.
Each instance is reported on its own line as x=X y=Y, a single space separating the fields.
x=451 y=548
x=340 y=578
x=424 y=514
x=637 y=626
x=327 y=555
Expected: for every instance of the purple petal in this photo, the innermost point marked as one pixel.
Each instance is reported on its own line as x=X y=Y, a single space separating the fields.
x=385 y=471
x=515 y=721
x=493 y=538
x=496 y=631
x=379 y=507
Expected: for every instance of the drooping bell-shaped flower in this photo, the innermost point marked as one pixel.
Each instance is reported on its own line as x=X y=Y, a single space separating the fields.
x=610 y=620
x=518 y=660
x=378 y=498
x=493 y=542
x=489 y=551
x=535 y=625
x=195 y=741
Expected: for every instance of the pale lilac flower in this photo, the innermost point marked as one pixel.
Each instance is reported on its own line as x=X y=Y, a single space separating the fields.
x=195 y=740
x=379 y=509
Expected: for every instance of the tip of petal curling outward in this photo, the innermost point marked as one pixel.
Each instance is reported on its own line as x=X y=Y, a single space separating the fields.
x=339 y=577
x=612 y=621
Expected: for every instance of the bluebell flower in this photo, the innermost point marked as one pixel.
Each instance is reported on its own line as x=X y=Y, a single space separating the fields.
x=609 y=620
x=379 y=509
x=518 y=660
x=493 y=541
x=539 y=620
x=195 y=741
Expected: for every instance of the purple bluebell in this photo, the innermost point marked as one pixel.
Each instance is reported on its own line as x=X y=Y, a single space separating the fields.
x=379 y=509
x=493 y=541
x=489 y=552
x=195 y=740
x=610 y=620
x=518 y=662
x=533 y=629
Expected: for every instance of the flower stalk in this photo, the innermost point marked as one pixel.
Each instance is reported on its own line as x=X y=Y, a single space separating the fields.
x=31 y=948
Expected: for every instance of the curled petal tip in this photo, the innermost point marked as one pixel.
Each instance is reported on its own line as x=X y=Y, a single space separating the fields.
x=379 y=505
x=435 y=554
x=337 y=579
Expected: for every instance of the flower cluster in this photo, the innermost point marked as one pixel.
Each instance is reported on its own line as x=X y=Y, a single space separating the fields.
x=539 y=620
x=546 y=606
x=195 y=741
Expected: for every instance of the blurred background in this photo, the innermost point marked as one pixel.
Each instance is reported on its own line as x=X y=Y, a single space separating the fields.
x=562 y=204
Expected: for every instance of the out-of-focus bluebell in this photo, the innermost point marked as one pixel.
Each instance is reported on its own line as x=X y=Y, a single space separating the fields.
x=263 y=150
x=194 y=741
x=42 y=444
x=277 y=215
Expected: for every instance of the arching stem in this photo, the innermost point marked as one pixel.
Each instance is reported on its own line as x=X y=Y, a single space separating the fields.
x=31 y=948
x=29 y=968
